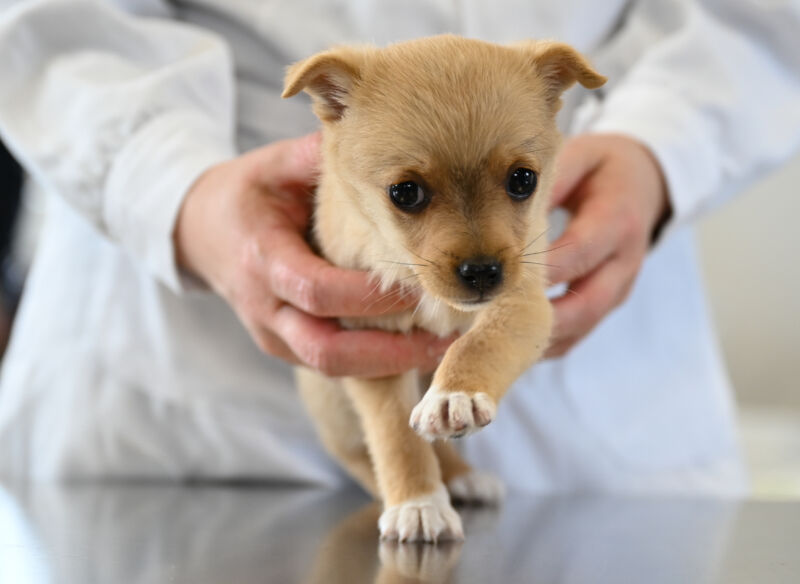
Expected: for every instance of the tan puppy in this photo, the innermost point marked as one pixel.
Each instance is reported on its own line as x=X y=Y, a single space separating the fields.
x=438 y=158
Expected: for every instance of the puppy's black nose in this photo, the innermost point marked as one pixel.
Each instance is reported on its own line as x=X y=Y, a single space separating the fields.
x=481 y=274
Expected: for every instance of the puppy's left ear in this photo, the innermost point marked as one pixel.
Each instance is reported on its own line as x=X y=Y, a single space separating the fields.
x=560 y=66
x=329 y=78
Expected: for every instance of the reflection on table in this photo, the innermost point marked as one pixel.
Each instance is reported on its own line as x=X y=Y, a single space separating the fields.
x=134 y=534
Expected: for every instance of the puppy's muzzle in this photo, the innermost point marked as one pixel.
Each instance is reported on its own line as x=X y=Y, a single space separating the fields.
x=481 y=274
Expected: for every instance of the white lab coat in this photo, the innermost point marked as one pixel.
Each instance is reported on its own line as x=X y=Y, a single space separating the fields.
x=119 y=368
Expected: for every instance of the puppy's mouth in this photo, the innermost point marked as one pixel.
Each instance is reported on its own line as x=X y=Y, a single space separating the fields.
x=473 y=303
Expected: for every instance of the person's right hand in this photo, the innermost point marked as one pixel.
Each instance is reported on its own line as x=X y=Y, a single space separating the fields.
x=241 y=230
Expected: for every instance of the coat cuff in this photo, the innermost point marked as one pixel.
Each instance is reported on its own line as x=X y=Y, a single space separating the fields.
x=148 y=181
x=680 y=138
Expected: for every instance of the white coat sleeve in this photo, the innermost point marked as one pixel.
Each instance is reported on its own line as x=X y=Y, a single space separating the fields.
x=716 y=95
x=116 y=113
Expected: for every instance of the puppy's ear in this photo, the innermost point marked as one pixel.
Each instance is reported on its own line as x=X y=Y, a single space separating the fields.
x=328 y=78
x=561 y=66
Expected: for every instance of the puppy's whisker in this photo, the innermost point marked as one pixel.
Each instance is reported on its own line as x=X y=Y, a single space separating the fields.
x=547 y=250
x=534 y=277
x=405 y=278
x=399 y=291
x=383 y=297
x=402 y=263
x=416 y=310
x=542 y=149
x=532 y=144
x=541 y=264
x=534 y=240
x=448 y=253
x=429 y=262
x=375 y=287
x=393 y=304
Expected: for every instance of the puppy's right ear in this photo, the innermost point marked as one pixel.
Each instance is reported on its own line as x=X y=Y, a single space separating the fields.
x=328 y=78
x=560 y=66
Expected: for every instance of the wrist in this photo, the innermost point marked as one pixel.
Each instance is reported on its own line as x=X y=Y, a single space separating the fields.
x=656 y=184
x=187 y=235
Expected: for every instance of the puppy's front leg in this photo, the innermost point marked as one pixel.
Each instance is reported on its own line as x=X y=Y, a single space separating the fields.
x=416 y=504
x=507 y=338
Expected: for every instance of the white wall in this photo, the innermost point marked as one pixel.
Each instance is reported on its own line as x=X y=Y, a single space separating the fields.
x=750 y=252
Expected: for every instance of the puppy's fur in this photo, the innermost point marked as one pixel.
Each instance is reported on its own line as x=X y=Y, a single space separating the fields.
x=456 y=117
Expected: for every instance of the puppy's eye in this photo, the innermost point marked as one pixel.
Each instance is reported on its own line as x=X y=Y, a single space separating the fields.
x=408 y=196
x=521 y=182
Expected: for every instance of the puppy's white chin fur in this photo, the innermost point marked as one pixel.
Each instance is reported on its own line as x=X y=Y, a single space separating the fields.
x=471 y=307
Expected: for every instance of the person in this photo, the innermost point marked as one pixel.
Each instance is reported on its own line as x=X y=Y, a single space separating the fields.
x=173 y=286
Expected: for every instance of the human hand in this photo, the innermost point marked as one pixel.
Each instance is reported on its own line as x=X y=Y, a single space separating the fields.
x=241 y=230
x=616 y=193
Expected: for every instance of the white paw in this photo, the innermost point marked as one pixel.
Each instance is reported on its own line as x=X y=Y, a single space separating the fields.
x=477 y=488
x=442 y=415
x=428 y=518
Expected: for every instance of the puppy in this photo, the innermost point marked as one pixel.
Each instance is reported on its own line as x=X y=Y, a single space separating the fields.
x=438 y=157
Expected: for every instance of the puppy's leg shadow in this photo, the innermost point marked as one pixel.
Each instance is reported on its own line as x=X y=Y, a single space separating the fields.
x=352 y=553
x=338 y=425
x=348 y=552
x=406 y=563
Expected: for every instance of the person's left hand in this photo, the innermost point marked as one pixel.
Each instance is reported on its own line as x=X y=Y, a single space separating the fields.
x=615 y=191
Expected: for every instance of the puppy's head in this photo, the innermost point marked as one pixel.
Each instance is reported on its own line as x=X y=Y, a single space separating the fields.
x=446 y=146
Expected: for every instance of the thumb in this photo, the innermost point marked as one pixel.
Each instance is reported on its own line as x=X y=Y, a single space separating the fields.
x=289 y=162
x=577 y=160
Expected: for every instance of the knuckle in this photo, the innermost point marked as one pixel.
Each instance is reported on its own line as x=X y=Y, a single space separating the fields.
x=309 y=294
x=319 y=356
x=559 y=349
x=303 y=291
x=595 y=308
x=574 y=267
x=265 y=343
x=631 y=226
x=251 y=259
x=624 y=293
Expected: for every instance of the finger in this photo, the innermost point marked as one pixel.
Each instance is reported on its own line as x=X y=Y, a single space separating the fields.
x=560 y=348
x=576 y=162
x=270 y=344
x=309 y=282
x=588 y=300
x=323 y=345
x=591 y=238
x=288 y=162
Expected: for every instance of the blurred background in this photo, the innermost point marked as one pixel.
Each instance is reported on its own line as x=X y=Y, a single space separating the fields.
x=748 y=252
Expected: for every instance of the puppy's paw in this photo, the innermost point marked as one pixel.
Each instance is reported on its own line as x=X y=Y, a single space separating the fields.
x=429 y=518
x=476 y=488
x=443 y=414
